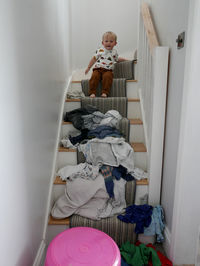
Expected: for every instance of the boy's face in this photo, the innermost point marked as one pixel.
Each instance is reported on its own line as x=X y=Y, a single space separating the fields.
x=109 y=42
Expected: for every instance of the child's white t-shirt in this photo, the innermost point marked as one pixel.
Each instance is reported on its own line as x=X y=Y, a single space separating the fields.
x=105 y=58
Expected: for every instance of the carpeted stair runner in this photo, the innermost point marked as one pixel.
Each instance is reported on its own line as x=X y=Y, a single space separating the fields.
x=118 y=88
x=106 y=104
x=118 y=230
x=124 y=70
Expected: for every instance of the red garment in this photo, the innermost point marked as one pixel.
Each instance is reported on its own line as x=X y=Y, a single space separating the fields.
x=163 y=259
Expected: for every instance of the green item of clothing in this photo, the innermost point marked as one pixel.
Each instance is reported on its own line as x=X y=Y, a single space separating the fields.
x=139 y=255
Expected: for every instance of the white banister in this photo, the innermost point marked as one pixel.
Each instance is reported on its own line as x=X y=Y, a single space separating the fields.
x=152 y=77
x=159 y=89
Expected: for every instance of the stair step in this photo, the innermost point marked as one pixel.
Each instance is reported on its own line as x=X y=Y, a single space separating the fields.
x=53 y=221
x=79 y=100
x=138 y=147
x=59 y=181
x=69 y=157
x=131 y=87
x=133 y=107
x=128 y=80
x=136 y=130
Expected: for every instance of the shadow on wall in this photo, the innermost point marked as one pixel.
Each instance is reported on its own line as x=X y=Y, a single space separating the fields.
x=38 y=68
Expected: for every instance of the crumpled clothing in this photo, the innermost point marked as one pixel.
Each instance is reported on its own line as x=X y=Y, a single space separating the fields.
x=138 y=214
x=139 y=173
x=110 y=118
x=106 y=172
x=75 y=140
x=67 y=143
x=83 y=170
x=75 y=116
x=139 y=255
x=99 y=132
x=103 y=131
x=157 y=224
x=93 y=120
x=110 y=151
x=121 y=172
x=116 y=204
x=88 y=198
x=85 y=197
x=164 y=260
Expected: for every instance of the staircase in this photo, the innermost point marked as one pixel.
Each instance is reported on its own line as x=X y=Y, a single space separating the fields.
x=68 y=156
x=146 y=113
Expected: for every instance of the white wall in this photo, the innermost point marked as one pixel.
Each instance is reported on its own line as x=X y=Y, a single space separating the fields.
x=32 y=66
x=186 y=216
x=170 y=18
x=91 y=18
x=180 y=188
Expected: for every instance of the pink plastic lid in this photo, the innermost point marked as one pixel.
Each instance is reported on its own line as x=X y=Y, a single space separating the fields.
x=83 y=246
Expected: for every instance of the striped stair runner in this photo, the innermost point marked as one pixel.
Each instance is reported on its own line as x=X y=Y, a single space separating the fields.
x=119 y=231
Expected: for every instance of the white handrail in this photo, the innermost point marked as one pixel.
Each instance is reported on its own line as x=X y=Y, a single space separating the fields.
x=152 y=77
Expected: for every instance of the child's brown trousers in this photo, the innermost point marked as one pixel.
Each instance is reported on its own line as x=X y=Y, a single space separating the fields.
x=97 y=75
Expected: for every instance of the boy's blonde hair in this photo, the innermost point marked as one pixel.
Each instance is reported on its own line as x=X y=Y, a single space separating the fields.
x=109 y=33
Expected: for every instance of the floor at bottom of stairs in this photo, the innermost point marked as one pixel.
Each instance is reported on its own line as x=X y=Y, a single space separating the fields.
x=158 y=247
x=43 y=257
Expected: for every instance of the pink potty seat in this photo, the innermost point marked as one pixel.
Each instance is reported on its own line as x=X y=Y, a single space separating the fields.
x=83 y=246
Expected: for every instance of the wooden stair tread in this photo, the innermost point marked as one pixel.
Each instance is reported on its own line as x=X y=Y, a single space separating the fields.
x=133 y=121
x=72 y=100
x=78 y=100
x=63 y=149
x=137 y=146
x=59 y=181
x=54 y=221
x=128 y=80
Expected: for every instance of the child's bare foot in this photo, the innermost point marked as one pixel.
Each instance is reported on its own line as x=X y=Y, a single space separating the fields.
x=92 y=95
x=103 y=95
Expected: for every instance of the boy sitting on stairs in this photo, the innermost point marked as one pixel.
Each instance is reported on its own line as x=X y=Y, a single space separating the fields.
x=104 y=60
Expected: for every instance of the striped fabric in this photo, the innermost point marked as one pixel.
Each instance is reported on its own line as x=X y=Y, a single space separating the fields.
x=80 y=157
x=106 y=104
x=118 y=88
x=118 y=230
x=124 y=70
x=124 y=128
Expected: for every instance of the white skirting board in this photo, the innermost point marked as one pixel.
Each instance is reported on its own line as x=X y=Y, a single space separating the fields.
x=40 y=254
x=166 y=244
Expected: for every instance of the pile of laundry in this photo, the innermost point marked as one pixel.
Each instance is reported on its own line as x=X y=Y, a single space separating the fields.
x=96 y=189
x=149 y=220
x=140 y=255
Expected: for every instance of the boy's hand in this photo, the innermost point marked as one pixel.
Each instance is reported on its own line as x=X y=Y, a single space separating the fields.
x=87 y=70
